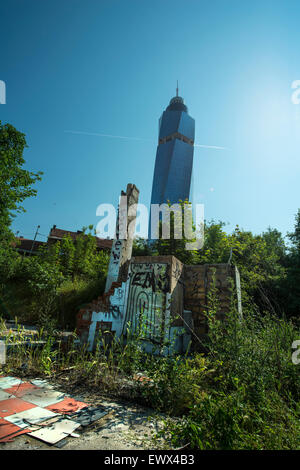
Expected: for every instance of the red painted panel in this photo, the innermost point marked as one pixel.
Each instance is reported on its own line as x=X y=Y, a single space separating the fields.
x=13 y=405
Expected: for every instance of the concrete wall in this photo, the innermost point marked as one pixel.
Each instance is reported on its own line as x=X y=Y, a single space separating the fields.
x=163 y=300
x=198 y=282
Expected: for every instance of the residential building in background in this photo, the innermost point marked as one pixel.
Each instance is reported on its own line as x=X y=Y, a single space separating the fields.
x=29 y=247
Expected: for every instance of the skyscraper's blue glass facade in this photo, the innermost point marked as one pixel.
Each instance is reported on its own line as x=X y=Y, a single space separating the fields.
x=174 y=156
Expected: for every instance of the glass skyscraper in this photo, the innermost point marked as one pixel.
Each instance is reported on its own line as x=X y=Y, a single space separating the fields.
x=174 y=156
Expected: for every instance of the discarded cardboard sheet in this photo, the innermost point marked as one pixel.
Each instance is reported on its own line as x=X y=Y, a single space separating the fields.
x=35 y=408
x=30 y=417
x=55 y=431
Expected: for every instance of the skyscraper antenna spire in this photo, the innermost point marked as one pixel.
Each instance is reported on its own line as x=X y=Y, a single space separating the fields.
x=177 y=89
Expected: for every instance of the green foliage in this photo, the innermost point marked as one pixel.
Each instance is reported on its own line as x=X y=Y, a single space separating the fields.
x=269 y=269
x=295 y=236
x=290 y=285
x=50 y=288
x=250 y=390
x=16 y=185
x=216 y=248
x=244 y=394
x=15 y=181
x=48 y=356
x=263 y=260
x=75 y=294
x=77 y=258
x=175 y=382
x=141 y=247
x=8 y=257
x=172 y=239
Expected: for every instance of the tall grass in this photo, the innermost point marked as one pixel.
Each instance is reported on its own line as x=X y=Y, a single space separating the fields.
x=243 y=394
x=248 y=396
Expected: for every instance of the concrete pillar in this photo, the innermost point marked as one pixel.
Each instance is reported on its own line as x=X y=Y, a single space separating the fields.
x=122 y=245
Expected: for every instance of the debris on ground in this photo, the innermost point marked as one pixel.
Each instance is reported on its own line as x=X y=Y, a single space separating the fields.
x=103 y=423
x=37 y=409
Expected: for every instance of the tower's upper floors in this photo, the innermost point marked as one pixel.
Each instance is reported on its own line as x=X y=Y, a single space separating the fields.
x=175 y=123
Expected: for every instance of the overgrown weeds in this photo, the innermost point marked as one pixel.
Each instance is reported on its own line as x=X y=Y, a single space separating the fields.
x=244 y=394
x=250 y=388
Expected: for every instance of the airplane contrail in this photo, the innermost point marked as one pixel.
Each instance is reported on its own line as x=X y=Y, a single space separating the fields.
x=107 y=135
x=211 y=147
x=97 y=134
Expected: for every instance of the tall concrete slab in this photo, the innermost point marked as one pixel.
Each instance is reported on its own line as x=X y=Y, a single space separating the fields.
x=122 y=245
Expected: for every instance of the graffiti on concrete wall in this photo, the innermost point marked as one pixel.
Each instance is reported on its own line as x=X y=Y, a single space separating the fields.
x=177 y=271
x=116 y=251
x=146 y=305
x=150 y=276
x=114 y=312
x=122 y=244
x=195 y=282
x=147 y=302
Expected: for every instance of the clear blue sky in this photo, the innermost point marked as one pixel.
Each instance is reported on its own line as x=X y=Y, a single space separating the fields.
x=110 y=67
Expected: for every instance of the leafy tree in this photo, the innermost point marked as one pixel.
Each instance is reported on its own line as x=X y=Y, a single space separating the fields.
x=15 y=182
x=259 y=258
x=291 y=285
x=15 y=186
x=77 y=258
x=141 y=247
x=295 y=237
x=216 y=248
x=275 y=245
x=59 y=280
x=173 y=245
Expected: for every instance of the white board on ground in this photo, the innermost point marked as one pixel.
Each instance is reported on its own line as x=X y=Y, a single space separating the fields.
x=56 y=431
x=32 y=416
x=42 y=397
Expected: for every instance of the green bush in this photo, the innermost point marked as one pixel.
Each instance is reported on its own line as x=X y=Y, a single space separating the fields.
x=249 y=391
